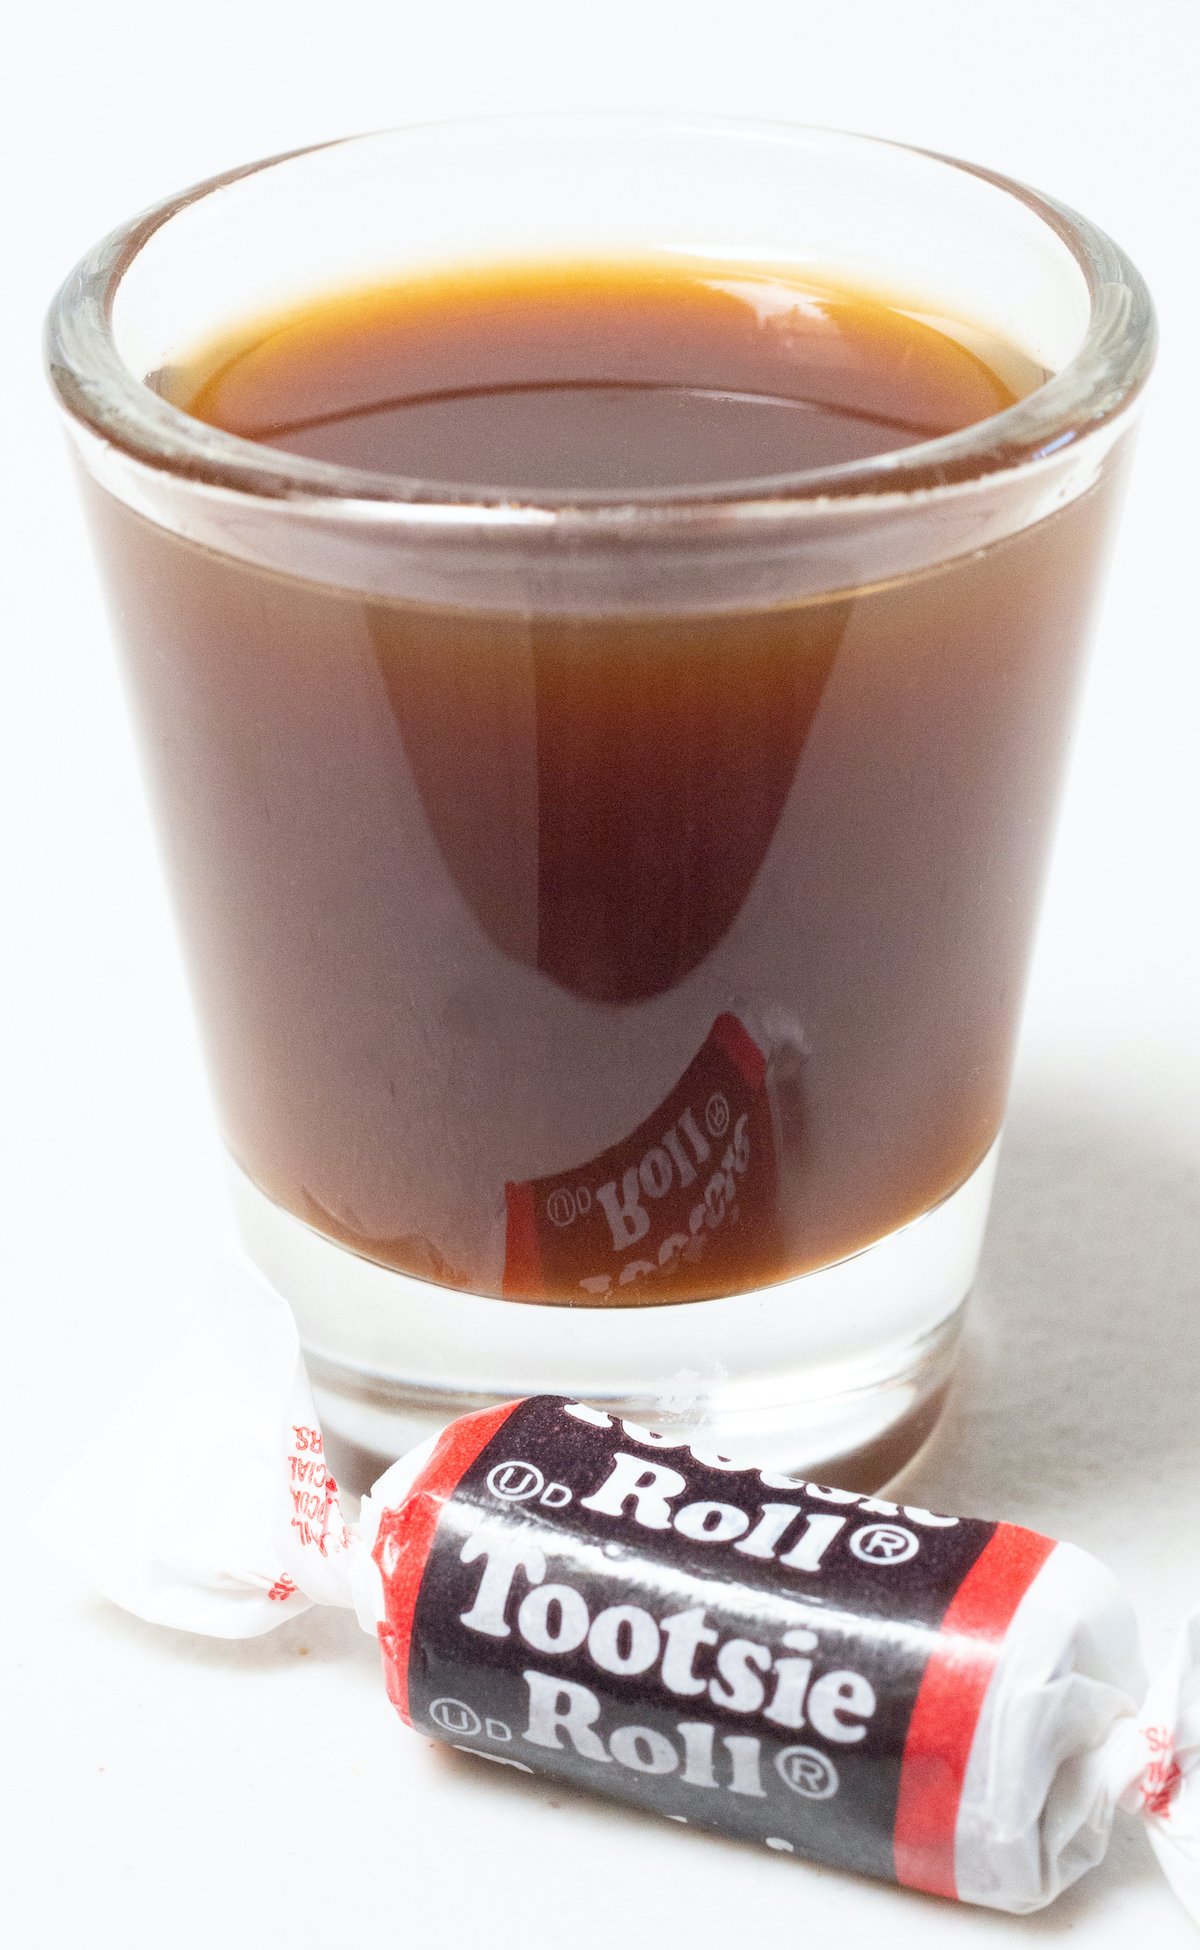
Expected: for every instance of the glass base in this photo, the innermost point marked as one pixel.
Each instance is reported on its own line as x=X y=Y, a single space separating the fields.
x=838 y=1373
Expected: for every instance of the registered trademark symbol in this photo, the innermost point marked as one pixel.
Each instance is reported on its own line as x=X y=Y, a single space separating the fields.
x=884 y=1543
x=716 y=1114
x=515 y=1482
x=808 y=1772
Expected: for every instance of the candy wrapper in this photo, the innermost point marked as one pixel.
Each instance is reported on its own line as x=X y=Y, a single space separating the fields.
x=953 y=1704
x=685 y=1204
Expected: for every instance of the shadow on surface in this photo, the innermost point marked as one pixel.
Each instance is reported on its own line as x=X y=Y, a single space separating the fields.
x=325 y=1635
x=1128 y=1865
x=1079 y=1381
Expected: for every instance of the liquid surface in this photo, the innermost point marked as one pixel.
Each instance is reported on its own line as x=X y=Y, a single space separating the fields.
x=596 y=380
x=465 y=891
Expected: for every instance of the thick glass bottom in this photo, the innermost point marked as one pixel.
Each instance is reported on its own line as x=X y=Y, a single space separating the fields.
x=839 y=1372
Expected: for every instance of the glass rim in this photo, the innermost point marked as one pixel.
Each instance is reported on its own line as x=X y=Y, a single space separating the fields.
x=102 y=393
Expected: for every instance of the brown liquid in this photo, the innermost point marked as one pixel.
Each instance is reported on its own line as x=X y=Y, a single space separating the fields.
x=465 y=891
x=582 y=378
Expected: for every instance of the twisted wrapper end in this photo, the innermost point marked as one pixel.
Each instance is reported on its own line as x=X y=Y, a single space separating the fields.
x=207 y=1503
x=1155 y=1766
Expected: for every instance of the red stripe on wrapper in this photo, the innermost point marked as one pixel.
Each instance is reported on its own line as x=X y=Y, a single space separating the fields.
x=950 y=1701
x=405 y=1538
x=741 y=1049
x=522 y=1256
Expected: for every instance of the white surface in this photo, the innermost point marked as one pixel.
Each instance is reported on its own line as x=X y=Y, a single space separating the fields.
x=165 y=1790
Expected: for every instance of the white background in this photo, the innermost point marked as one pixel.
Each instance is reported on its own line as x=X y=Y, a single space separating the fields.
x=168 y=1791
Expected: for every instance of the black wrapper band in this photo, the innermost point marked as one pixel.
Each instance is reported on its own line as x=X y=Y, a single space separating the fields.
x=795 y=1665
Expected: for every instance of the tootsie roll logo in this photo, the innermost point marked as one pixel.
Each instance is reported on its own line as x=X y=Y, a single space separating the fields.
x=721 y=1644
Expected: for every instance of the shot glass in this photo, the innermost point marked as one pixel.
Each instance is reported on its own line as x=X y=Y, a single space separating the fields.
x=734 y=1184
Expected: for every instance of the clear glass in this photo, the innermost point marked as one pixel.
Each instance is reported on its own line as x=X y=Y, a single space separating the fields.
x=420 y=1096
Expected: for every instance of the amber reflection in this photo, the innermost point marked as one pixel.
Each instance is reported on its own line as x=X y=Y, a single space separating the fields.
x=604 y=792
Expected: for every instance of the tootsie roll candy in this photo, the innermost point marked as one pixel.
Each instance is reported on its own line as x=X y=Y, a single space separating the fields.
x=953 y=1704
